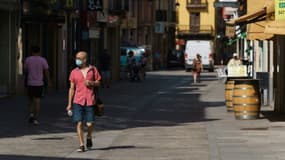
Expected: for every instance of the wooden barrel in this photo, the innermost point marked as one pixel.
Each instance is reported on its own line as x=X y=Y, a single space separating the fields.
x=246 y=99
x=229 y=95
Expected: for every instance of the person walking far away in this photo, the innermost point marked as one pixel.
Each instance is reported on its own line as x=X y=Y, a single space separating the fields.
x=36 y=69
x=105 y=65
x=197 y=68
x=81 y=97
x=131 y=62
x=143 y=65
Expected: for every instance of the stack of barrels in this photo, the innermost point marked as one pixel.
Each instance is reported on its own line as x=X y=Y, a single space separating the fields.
x=242 y=97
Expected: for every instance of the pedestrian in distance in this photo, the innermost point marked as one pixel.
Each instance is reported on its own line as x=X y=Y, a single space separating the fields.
x=143 y=65
x=105 y=66
x=132 y=69
x=81 y=97
x=36 y=71
x=197 y=68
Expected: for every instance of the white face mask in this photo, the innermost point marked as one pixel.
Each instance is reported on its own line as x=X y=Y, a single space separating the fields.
x=78 y=62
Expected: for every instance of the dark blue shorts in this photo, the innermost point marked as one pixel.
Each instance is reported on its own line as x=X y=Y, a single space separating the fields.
x=82 y=113
x=35 y=91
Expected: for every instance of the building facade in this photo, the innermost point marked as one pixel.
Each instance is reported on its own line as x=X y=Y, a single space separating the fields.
x=63 y=27
x=263 y=43
x=196 y=21
x=10 y=58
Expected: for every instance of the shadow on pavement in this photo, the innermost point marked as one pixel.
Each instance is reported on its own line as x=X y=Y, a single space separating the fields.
x=172 y=105
x=163 y=99
x=53 y=118
x=119 y=147
x=22 y=157
x=273 y=116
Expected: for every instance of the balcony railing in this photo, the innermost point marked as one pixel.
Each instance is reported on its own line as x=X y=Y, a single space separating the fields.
x=197 y=4
x=194 y=30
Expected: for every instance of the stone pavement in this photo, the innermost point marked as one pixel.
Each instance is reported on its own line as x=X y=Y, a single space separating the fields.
x=230 y=139
x=132 y=130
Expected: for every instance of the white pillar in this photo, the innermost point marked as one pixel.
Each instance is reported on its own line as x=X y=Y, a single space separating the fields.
x=271 y=71
x=265 y=56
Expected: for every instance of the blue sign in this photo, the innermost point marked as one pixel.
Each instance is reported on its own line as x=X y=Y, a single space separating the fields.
x=95 y=5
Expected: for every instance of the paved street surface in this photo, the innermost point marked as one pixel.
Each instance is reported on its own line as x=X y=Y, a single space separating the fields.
x=165 y=117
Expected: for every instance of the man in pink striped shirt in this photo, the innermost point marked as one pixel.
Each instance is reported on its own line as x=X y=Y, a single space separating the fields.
x=81 y=97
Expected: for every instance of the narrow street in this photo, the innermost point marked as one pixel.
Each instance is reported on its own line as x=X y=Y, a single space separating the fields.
x=165 y=117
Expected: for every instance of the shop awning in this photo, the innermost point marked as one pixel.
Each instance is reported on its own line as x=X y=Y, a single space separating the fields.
x=275 y=27
x=258 y=11
x=256 y=20
x=256 y=31
x=255 y=16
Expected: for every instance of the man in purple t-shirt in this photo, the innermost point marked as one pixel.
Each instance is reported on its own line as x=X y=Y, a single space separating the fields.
x=36 y=69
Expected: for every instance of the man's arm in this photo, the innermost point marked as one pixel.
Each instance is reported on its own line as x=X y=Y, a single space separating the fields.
x=47 y=77
x=70 y=95
x=97 y=81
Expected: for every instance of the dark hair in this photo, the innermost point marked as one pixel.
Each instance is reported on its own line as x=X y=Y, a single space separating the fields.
x=131 y=53
x=35 y=49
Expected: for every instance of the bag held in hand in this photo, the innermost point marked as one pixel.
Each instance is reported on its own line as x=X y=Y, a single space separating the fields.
x=99 y=107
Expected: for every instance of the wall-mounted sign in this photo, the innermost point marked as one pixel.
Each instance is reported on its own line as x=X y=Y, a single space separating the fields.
x=159 y=27
x=230 y=31
x=113 y=19
x=279 y=9
x=69 y=4
x=95 y=5
x=132 y=22
x=226 y=4
x=94 y=33
x=102 y=16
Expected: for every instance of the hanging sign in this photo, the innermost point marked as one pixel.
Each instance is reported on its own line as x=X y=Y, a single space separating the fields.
x=95 y=5
x=159 y=27
x=69 y=4
x=94 y=33
x=230 y=31
x=279 y=9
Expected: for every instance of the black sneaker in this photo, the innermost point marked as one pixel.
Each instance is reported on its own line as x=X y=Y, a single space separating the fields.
x=81 y=149
x=31 y=119
x=89 y=143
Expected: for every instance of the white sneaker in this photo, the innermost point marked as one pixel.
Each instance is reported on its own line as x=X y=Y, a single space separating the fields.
x=36 y=122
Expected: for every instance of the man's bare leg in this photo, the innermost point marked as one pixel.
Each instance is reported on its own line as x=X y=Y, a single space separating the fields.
x=37 y=104
x=31 y=109
x=89 y=143
x=79 y=128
